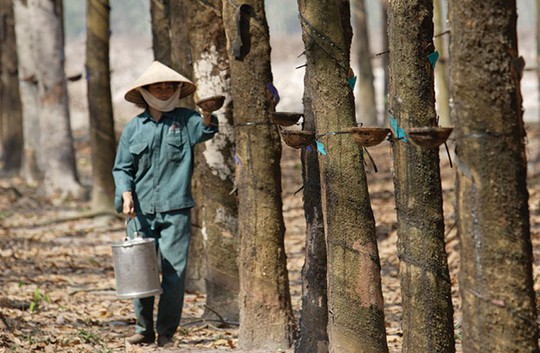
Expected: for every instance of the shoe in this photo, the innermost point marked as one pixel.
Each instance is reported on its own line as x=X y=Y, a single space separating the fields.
x=139 y=338
x=165 y=342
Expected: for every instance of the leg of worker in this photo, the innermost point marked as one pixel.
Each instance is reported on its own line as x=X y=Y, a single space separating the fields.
x=144 y=312
x=175 y=233
x=144 y=307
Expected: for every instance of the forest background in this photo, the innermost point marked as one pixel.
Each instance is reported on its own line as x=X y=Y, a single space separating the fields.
x=131 y=53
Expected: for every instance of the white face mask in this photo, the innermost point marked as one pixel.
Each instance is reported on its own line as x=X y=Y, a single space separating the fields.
x=158 y=104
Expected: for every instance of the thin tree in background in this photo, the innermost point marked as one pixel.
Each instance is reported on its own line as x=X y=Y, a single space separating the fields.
x=266 y=317
x=538 y=49
x=441 y=69
x=385 y=59
x=218 y=204
x=367 y=104
x=56 y=140
x=313 y=336
x=427 y=318
x=11 y=121
x=161 y=36
x=28 y=93
x=181 y=22
x=98 y=77
x=355 y=302
x=496 y=278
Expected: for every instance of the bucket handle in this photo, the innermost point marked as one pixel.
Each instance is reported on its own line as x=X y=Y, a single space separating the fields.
x=136 y=234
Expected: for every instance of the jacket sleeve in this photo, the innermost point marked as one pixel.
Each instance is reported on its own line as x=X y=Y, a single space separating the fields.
x=198 y=132
x=122 y=170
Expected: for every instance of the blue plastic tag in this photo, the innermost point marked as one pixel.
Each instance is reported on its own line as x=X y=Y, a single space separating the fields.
x=320 y=147
x=400 y=133
x=433 y=57
x=352 y=81
x=274 y=92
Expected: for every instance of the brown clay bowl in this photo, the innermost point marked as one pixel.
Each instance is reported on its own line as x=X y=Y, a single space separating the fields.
x=285 y=118
x=211 y=104
x=429 y=136
x=298 y=138
x=369 y=136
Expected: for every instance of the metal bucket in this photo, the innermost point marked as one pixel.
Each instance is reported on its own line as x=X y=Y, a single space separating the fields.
x=136 y=268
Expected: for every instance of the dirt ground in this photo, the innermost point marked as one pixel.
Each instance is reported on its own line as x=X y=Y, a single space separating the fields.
x=57 y=289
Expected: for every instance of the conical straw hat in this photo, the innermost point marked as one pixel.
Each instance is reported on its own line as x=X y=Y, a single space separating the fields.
x=157 y=72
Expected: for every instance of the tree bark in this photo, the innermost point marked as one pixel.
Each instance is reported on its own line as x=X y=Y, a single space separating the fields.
x=313 y=336
x=441 y=69
x=496 y=283
x=366 y=89
x=424 y=277
x=181 y=22
x=11 y=130
x=161 y=30
x=219 y=209
x=28 y=93
x=266 y=317
x=355 y=302
x=56 y=140
x=98 y=77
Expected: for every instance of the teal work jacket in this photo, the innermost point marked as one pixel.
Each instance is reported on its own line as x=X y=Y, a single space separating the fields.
x=155 y=160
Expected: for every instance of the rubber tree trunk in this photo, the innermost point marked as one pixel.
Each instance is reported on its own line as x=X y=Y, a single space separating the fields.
x=355 y=302
x=219 y=209
x=313 y=337
x=56 y=140
x=180 y=23
x=181 y=55
x=266 y=318
x=367 y=104
x=161 y=36
x=496 y=283
x=98 y=78
x=11 y=120
x=441 y=69
x=427 y=319
x=28 y=93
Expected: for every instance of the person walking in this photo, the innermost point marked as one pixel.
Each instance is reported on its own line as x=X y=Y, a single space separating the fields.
x=152 y=173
